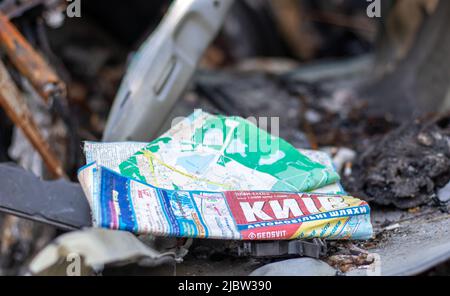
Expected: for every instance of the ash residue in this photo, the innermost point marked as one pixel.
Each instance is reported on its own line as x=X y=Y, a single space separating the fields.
x=406 y=167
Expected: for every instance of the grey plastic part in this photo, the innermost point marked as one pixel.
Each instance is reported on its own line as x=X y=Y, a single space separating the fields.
x=292 y=248
x=60 y=203
x=98 y=248
x=296 y=267
x=162 y=68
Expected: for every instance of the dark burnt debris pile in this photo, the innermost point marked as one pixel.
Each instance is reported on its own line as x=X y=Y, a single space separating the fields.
x=406 y=167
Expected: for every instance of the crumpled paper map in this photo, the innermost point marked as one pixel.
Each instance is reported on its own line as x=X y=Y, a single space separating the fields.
x=205 y=178
x=219 y=153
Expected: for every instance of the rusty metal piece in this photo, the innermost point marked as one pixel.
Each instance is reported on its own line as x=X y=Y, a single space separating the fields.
x=30 y=63
x=15 y=107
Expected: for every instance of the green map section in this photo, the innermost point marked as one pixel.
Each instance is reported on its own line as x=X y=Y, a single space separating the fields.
x=206 y=149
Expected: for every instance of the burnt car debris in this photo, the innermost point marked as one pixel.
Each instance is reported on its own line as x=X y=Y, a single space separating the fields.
x=244 y=138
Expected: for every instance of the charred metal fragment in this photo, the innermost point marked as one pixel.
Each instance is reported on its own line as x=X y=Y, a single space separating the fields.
x=59 y=203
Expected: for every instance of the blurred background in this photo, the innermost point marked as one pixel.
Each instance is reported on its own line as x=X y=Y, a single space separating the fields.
x=335 y=76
